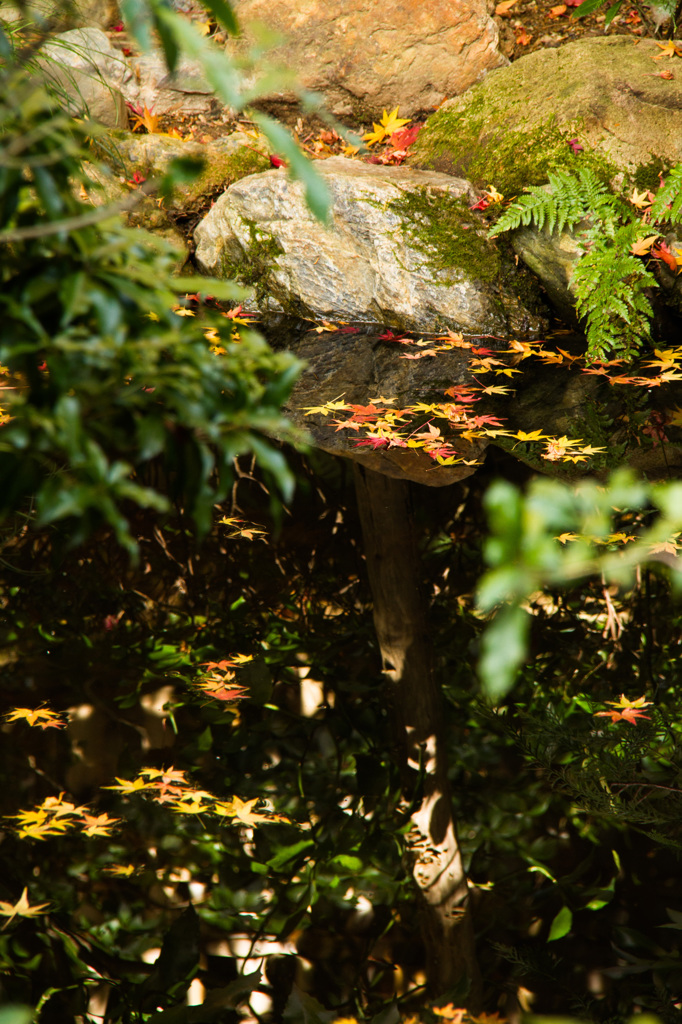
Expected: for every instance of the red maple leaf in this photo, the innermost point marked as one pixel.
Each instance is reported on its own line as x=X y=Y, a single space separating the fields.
x=372 y=442
x=404 y=137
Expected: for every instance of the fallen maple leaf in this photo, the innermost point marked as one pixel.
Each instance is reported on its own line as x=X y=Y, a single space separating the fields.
x=504 y=7
x=389 y=124
x=575 y=146
x=667 y=74
x=556 y=12
x=662 y=252
x=523 y=38
x=145 y=119
x=21 y=908
x=669 y=49
x=641 y=199
x=643 y=245
x=42 y=717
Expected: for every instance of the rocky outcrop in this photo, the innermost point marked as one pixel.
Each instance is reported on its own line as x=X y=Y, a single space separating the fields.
x=223 y=161
x=368 y=55
x=183 y=91
x=554 y=399
x=403 y=248
x=84 y=66
x=597 y=100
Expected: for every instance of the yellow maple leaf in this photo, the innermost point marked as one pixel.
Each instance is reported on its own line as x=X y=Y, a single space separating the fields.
x=641 y=199
x=130 y=786
x=669 y=49
x=643 y=245
x=121 y=870
x=497 y=389
x=41 y=716
x=389 y=124
x=98 y=825
x=242 y=810
x=21 y=908
x=146 y=120
x=563 y=538
x=532 y=435
x=326 y=409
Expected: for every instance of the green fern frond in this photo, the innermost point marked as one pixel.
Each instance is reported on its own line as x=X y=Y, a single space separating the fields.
x=564 y=202
x=667 y=205
x=609 y=285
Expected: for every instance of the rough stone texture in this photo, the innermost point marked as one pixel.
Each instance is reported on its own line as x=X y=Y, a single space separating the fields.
x=555 y=400
x=359 y=368
x=368 y=265
x=553 y=258
x=369 y=54
x=604 y=91
x=226 y=160
x=185 y=91
x=91 y=72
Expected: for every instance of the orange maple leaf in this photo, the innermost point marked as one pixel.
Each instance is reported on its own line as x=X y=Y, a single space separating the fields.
x=626 y=710
x=41 y=716
x=21 y=908
x=145 y=119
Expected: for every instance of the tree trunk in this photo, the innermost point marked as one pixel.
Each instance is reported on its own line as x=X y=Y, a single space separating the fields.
x=400 y=621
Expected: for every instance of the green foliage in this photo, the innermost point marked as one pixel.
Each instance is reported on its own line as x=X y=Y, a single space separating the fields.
x=667 y=206
x=554 y=534
x=609 y=282
x=566 y=201
x=103 y=379
x=669 y=9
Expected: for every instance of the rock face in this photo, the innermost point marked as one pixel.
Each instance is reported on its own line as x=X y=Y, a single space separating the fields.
x=225 y=161
x=403 y=249
x=84 y=64
x=602 y=92
x=368 y=55
x=555 y=399
x=185 y=91
x=553 y=258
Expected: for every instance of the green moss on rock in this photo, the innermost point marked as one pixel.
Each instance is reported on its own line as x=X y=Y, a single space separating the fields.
x=442 y=228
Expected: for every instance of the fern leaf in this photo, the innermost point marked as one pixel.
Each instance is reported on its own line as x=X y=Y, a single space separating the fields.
x=667 y=206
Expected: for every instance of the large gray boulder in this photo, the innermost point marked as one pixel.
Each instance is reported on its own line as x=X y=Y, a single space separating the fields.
x=84 y=66
x=403 y=248
x=368 y=55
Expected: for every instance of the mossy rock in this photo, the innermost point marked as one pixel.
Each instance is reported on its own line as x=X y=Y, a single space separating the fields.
x=597 y=102
x=222 y=162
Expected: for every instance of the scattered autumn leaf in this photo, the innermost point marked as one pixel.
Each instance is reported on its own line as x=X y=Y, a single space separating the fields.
x=21 y=908
x=504 y=7
x=626 y=710
x=145 y=119
x=643 y=245
x=42 y=717
x=556 y=12
x=523 y=38
x=669 y=49
x=389 y=124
